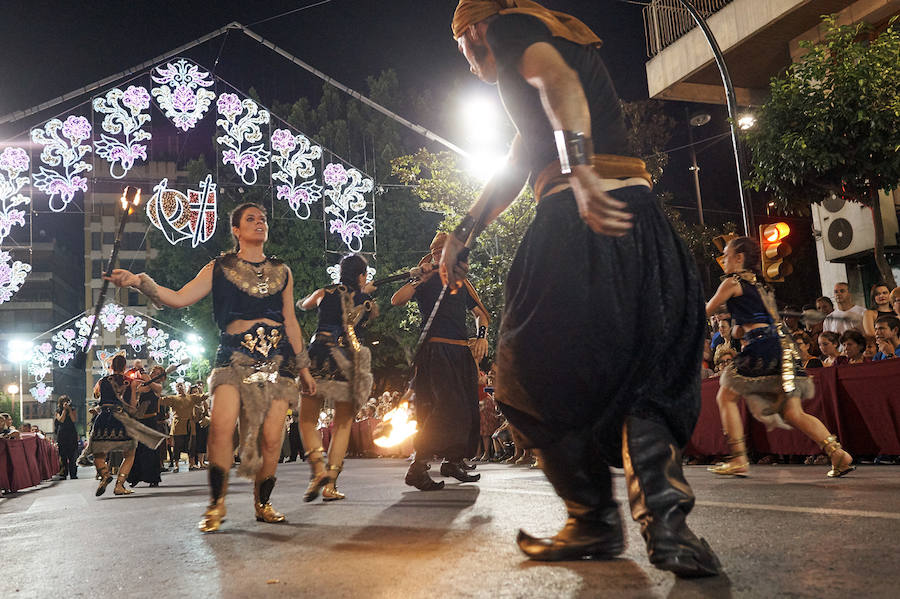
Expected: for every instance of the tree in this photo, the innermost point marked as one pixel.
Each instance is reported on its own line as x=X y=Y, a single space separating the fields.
x=830 y=128
x=11 y=406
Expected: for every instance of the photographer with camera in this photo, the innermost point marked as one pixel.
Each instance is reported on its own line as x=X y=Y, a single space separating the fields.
x=66 y=437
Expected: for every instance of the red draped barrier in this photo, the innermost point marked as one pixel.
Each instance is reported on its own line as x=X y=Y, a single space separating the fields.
x=860 y=403
x=26 y=462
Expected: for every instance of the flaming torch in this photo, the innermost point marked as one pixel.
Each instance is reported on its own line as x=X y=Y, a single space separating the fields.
x=395 y=427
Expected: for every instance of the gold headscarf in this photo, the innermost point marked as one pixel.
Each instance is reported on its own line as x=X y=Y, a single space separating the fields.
x=440 y=238
x=560 y=24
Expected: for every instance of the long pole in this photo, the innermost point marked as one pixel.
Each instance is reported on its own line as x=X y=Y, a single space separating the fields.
x=696 y=170
x=730 y=100
x=21 y=400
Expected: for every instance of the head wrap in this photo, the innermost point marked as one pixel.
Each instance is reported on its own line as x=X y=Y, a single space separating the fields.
x=440 y=238
x=560 y=24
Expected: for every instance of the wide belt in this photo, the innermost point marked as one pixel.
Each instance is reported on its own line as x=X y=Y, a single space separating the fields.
x=607 y=166
x=448 y=341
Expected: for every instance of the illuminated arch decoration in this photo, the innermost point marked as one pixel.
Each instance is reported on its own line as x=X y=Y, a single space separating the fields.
x=345 y=190
x=157 y=344
x=41 y=392
x=295 y=170
x=181 y=95
x=125 y=117
x=241 y=124
x=134 y=331
x=63 y=346
x=63 y=181
x=181 y=217
x=12 y=275
x=105 y=357
x=111 y=316
x=41 y=361
x=335 y=273
x=178 y=351
x=83 y=325
x=14 y=162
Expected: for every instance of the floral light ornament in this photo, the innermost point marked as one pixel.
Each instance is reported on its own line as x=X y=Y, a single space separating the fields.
x=335 y=273
x=41 y=361
x=157 y=342
x=12 y=275
x=346 y=189
x=178 y=351
x=295 y=170
x=241 y=124
x=134 y=331
x=41 y=392
x=83 y=325
x=64 y=346
x=111 y=316
x=14 y=162
x=61 y=184
x=182 y=95
x=125 y=116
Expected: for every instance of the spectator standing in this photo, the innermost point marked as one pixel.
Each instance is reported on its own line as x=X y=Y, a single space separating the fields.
x=882 y=306
x=66 y=437
x=847 y=315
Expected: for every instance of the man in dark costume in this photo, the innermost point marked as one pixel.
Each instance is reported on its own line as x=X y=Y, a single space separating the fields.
x=601 y=338
x=446 y=379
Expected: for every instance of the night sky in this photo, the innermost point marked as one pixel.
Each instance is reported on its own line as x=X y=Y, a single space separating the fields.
x=53 y=47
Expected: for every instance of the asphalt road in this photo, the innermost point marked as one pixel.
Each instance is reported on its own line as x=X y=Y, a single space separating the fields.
x=787 y=531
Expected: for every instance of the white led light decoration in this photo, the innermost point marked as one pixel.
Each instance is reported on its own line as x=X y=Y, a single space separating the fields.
x=41 y=361
x=41 y=392
x=335 y=273
x=157 y=344
x=64 y=346
x=13 y=162
x=64 y=181
x=105 y=357
x=124 y=117
x=178 y=351
x=12 y=275
x=134 y=332
x=181 y=94
x=181 y=217
x=295 y=170
x=83 y=325
x=241 y=124
x=345 y=189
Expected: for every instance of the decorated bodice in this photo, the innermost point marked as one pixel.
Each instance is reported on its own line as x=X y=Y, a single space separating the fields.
x=111 y=389
x=331 y=312
x=748 y=308
x=245 y=290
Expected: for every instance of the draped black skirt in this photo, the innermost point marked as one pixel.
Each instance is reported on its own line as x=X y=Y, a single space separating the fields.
x=446 y=387
x=596 y=328
x=146 y=460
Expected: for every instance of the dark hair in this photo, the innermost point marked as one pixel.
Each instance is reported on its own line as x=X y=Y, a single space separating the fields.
x=875 y=288
x=892 y=321
x=118 y=363
x=831 y=336
x=236 y=215
x=825 y=299
x=854 y=336
x=60 y=401
x=352 y=265
x=156 y=370
x=750 y=249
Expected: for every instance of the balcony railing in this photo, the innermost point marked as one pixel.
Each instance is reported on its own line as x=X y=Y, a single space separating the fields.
x=667 y=20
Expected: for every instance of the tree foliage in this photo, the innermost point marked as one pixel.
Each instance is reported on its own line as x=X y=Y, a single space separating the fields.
x=830 y=127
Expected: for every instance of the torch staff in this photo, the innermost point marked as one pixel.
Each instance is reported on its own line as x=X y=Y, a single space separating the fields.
x=130 y=199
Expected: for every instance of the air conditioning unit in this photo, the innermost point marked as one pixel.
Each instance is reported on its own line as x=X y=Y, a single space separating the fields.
x=847 y=228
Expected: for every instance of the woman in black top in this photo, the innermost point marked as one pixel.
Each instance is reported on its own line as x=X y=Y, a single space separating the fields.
x=341 y=366
x=66 y=437
x=146 y=459
x=259 y=358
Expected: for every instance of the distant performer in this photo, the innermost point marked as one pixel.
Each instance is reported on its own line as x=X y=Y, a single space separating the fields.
x=259 y=359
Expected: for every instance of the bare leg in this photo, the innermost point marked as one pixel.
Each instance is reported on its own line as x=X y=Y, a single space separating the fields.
x=337 y=449
x=124 y=469
x=733 y=426
x=222 y=421
x=270 y=448
x=312 y=441
x=813 y=428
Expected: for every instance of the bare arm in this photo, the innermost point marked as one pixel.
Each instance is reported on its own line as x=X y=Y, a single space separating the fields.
x=727 y=290
x=869 y=323
x=312 y=300
x=406 y=293
x=294 y=334
x=195 y=290
x=480 y=349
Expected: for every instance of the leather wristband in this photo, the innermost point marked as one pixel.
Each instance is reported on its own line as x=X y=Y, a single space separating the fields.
x=150 y=289
x=574 y=149
x=464 y=228
x=482 y=332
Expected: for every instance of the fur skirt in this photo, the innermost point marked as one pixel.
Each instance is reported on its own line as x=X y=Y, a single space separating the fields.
x=763 y=393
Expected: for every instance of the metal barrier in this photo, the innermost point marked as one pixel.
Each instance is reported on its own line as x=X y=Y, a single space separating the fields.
x=665 y=21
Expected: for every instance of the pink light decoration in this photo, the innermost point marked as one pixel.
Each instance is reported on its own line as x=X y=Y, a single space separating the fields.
x=12 y=275
x=124 y=116
x=346 y=189
x=41 y=392
x=181 y=94
x=295 y=170
x=241 y=124
x=14 y=162
x=64 y=181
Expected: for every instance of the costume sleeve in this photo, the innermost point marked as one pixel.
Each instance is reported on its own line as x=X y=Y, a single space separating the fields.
x=510 y=35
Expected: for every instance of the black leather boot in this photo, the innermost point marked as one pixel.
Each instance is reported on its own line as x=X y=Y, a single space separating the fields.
x=417 y=476
x=594 y=527
x=661 y=499
x=456 y=470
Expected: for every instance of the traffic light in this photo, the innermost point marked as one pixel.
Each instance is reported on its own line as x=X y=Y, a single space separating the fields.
x=720 y=241
x=774 y=249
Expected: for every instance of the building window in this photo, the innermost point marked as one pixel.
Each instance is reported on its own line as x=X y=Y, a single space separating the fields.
x=134 y=298
x=108 y=209
x=108 y=238
x=96 y=269
x=95 y=241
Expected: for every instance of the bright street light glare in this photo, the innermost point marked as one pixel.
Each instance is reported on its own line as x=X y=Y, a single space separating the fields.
x=195 y=350
x=193 y=338
x=12 y=389
x=19 y=350
x=483 y=166
x=746 y=121
x=480 y=119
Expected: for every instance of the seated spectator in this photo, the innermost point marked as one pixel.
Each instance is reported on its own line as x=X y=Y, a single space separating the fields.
x=871 y=348
x=854 y=344
x=7 y=430
x=829 y=343
x=724 y=357
x=887 y=335
x=804 y=345
x=895 y=301
x=881 y=301
x=792 y=319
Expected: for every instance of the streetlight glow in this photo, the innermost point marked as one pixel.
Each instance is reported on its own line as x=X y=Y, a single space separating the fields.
x=12 y=389
x=746 y=121
x=20 y=350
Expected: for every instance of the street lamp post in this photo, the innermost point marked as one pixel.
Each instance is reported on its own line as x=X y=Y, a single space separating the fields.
x=696 y=120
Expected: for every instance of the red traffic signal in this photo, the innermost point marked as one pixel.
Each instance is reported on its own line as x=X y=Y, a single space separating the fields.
x=773 y=250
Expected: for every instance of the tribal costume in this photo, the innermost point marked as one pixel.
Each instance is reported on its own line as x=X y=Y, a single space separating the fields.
x=146 y=459
x=587 y=373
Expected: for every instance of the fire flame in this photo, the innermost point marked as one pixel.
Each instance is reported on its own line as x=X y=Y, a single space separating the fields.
x=395 y=427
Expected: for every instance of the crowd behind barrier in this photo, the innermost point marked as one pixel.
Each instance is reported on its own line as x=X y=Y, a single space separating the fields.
x=26 y=461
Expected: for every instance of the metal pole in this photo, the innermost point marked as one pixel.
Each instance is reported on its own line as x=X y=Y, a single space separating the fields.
x=696 y=170
x=746 y=205
x=21 y=400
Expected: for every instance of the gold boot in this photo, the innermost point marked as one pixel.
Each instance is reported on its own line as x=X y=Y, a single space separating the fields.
x=330 y=492
x=317 y=480
x=831 y=447
x=264 y=510
x=120 y=486
x=739 y=452
x=215 y=511
x=105 y=479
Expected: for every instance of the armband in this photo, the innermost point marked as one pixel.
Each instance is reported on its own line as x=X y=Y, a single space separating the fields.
x=574 y=149
x=149 y=288
x=464 y=229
